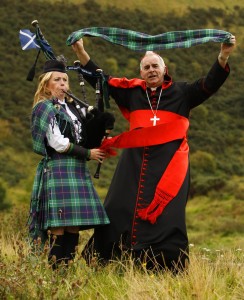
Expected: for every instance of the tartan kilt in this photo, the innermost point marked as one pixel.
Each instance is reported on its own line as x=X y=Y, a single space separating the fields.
x=67 y=196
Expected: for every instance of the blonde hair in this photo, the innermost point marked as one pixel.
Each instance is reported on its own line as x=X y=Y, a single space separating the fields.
x=43 y=91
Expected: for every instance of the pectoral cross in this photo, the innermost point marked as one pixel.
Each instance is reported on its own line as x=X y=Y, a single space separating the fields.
x=154 y=120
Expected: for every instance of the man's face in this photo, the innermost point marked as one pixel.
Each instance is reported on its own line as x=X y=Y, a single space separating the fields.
x=152 y=70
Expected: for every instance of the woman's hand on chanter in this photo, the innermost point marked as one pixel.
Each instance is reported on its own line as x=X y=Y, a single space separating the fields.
x=97 y=154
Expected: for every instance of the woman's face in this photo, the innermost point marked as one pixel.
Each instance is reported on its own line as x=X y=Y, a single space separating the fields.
x=58 y=83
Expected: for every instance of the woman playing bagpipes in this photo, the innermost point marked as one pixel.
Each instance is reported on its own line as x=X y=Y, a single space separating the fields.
x=64 y=199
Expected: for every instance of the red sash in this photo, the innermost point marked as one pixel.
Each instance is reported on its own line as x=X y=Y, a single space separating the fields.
x=172 y=127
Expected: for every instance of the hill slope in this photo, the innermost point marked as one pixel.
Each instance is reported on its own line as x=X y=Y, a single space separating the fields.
x=216 y=134
x=162 y=6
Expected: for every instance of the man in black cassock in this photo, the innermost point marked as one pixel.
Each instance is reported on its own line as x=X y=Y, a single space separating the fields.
x=148 y=194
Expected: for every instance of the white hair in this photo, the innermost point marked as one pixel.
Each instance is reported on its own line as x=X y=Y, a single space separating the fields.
x=148 y=53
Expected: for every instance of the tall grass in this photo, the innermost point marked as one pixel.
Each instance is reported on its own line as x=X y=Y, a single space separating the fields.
x=212 y=273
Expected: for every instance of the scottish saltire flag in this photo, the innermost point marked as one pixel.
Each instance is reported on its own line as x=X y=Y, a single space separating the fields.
x=28 y=40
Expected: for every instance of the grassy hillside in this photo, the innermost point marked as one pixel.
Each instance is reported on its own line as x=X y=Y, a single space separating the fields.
x=161 y=6
x=214 y=273
x=215 y=208
x=216 y=134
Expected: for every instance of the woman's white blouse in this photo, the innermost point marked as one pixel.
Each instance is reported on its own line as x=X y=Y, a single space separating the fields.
x=55 y=139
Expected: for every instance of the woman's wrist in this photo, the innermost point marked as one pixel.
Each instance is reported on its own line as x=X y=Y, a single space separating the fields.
x=78 y=151
x=88 y=154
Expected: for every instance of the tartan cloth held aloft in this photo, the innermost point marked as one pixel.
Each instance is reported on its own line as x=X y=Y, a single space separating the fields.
x=139 y=41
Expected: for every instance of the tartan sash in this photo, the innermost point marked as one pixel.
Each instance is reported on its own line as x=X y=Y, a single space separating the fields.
x=139 y=41
x=44 y=114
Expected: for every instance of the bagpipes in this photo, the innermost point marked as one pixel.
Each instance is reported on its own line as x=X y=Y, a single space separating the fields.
x=98 y=123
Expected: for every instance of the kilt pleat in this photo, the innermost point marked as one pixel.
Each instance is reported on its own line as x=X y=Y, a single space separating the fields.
x=68 y=196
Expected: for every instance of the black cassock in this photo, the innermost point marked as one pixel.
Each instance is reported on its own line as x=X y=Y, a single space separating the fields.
x=164 y=242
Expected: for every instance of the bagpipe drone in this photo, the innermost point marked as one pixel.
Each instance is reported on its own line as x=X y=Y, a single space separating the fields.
x=98 y=123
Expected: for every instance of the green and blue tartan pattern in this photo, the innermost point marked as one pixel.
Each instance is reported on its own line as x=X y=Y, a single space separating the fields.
x=39 y=125
x=73 y=199
x=139 y=41
x=63 y=193
x=43 y=114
